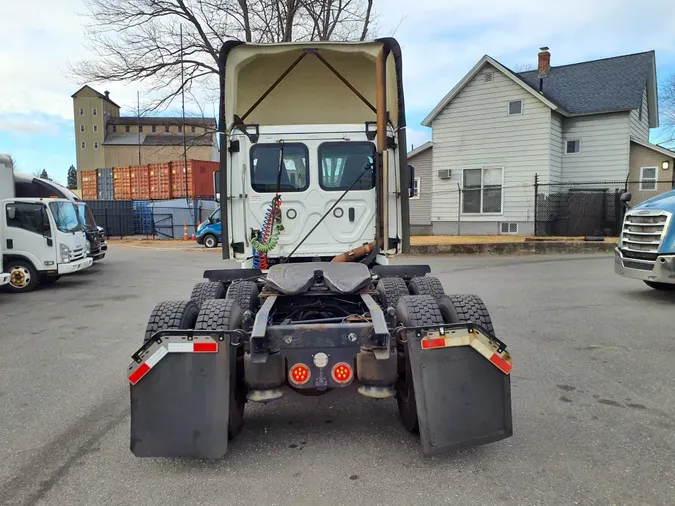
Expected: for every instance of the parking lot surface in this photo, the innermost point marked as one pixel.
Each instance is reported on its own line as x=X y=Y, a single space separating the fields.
x=593 y=399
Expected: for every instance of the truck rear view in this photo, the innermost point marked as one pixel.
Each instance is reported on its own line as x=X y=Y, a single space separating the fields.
x=314 y=192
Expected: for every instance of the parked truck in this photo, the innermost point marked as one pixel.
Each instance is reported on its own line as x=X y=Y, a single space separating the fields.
x=646 y=249
x=42 y=238
x=209 y=233
x=314 y=193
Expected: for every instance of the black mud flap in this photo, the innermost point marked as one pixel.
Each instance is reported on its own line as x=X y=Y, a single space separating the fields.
x=180 y=398
x=462 y=398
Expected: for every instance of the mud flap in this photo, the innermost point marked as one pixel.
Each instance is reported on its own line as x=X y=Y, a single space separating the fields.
x=462 y=398
x=180 y=398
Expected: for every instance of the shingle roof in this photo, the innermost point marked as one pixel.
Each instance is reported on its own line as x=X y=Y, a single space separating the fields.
x=610 y=84
x=157 y=140
x=159 y=120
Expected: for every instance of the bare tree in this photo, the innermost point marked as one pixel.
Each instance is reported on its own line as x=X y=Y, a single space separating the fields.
x=524 y=67
x=667 y=107
x=12 y=162
x=139 y=41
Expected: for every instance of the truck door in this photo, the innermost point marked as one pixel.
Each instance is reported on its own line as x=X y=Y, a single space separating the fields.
x=28 y=233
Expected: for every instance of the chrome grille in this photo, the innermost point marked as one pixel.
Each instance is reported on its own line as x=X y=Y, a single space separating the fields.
x=643 y=231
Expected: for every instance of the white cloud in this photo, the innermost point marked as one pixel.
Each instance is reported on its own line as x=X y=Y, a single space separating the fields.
x=24 y=125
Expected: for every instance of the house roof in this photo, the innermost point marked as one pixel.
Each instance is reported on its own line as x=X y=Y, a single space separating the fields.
x=598 y=86
x=162 y=120
x=420 y=149
x=592 y=87
x=97 y=93
x=157 y=140
x=487 y=60
x=654 y=147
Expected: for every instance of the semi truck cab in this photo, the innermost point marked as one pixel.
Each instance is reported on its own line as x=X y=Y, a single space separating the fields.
x=646 y=249
x=42 y=240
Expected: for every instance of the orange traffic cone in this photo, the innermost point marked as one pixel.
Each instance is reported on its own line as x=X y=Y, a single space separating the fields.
x=185 y=234
x=193 y=236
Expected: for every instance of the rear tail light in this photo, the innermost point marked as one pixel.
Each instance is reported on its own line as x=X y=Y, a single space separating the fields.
x=299 y=374
x=342 y=372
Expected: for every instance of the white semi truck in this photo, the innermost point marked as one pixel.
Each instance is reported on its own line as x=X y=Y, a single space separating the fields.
x=41 y=238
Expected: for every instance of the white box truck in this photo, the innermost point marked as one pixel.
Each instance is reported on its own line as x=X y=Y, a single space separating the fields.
x=42 y=238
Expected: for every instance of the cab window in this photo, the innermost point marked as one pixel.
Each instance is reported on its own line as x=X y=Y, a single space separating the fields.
x=28 y=216
x=215 y=217
x=343 y=163
x=268 y=175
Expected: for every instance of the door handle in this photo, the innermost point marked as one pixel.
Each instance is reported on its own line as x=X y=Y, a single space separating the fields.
x=10 y=244
x=352 y=214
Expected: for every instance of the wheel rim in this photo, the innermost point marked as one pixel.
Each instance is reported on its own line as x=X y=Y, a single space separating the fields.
x=19 y=277
x=210 y=242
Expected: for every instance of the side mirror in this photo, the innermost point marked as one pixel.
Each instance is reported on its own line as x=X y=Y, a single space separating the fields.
x=626 y=197
x=411 y=181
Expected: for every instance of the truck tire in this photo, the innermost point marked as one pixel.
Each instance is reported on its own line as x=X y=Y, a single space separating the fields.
x=210 y=241
x=219 y=314
x=22 y=276
x=391 y=290
x=206 y=291
x=171 y=315
x=244 y=292
x=668 y=287
x=411 y=311
x=460 y=308
x=426 y=285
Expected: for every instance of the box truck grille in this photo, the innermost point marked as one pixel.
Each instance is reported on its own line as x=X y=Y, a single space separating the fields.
x=77 y=254
x=643 y=231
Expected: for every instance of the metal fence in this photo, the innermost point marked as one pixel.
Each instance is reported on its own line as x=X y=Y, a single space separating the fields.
x=582 y=208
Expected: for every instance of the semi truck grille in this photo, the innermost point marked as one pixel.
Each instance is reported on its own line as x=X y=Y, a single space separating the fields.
x=643 y=231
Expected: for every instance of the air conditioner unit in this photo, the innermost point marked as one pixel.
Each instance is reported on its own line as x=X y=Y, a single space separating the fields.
x=444 y=173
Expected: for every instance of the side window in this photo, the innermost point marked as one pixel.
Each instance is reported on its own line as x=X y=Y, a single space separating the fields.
x=347 y=163
x=292 y=175
x=27 y=216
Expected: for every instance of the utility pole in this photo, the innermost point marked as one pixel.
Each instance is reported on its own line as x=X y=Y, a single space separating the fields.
x=138 y=112
x=182 y=87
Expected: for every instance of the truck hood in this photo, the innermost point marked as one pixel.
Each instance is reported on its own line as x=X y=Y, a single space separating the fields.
x=665 y=202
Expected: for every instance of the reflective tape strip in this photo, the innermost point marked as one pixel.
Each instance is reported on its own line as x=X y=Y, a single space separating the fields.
x=166 y=348
x=477 y=340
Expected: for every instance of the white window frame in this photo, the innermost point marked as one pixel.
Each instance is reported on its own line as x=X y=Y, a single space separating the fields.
x=572 y=152
x=81 y=128
x=95 y=128
x=654 y=180
x=95 y=144
x=508 y=108
x=417 y=187
x=94 y=112
x=481 y=213
x=83 y=144
x=81 y=111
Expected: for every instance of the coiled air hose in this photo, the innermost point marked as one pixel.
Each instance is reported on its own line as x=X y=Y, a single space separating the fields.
x=268 y=237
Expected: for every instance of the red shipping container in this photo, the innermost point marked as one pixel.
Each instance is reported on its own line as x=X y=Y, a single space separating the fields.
x=140 y=182
x=159 y=176
x=199 y=174
x=122 y=183
x=89 y=186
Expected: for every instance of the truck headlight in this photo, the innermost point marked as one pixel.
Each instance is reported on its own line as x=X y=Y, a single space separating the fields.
x=65 y=253
x=87 y=248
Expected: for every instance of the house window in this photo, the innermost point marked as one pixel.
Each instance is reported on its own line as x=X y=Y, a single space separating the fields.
x=515 y=107
x=572 y=147
x=648 y=178
x=114 y=128
x=95 y=128
x=417 y=185
x=192 y=129
x=482 y=190
x=93 y=111
x=180 y=129
x=127 y=128
x=140 y=128
x=84 y=144
x=166 y=129
x=154 y=129
x=95 y=145
x=81 y=128
x=81 y=111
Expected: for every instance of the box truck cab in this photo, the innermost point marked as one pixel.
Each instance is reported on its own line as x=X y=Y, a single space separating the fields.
x=210 y=232
x=42 y=239
x=646 y=249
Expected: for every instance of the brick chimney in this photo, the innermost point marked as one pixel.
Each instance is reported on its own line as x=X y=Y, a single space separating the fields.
x=544 y=63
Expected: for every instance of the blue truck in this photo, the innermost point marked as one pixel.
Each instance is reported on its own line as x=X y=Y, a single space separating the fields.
x=210 y=232
x=646 y=249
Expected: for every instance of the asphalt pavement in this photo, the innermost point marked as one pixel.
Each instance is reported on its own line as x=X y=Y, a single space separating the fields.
x=592 y=384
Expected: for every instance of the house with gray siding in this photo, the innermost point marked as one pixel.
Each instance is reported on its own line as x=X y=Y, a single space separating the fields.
x=497 y=129
x=420 y=203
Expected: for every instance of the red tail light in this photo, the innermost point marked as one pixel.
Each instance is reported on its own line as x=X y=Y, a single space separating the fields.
x=299 y=374
x=342 y=372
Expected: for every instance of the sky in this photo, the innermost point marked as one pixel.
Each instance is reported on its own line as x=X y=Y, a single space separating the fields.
x=441 y=41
